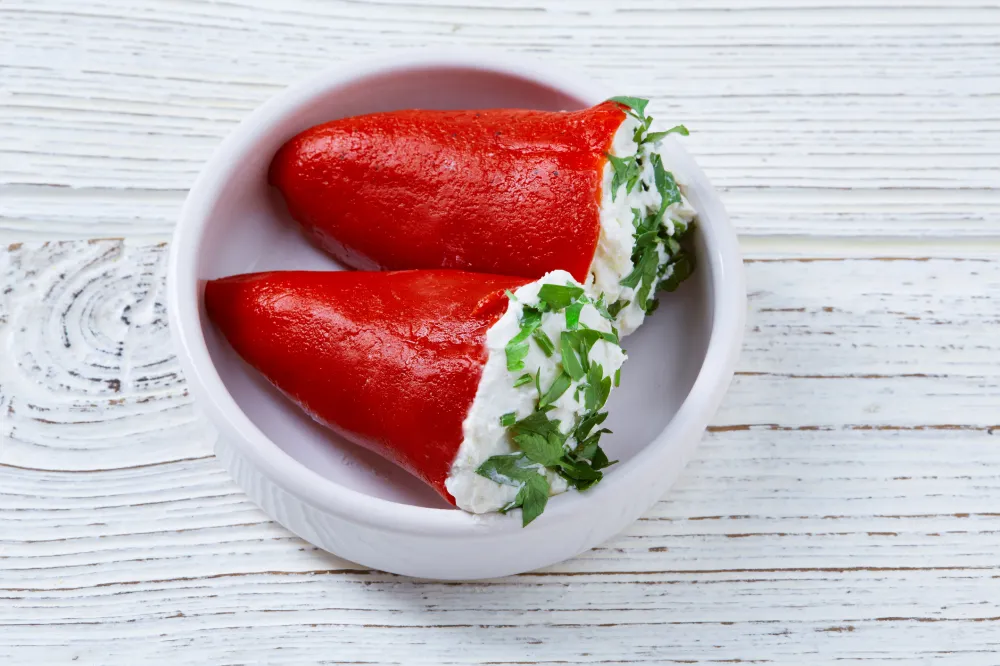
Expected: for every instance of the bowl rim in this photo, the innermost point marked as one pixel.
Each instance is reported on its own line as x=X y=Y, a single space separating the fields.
x=184 y=293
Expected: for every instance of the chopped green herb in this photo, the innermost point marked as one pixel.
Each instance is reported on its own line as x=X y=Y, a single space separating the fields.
x=584 y=340
x=588 y=423
x=516 y=470
x=637 y=218
x=573 y=314
x=559 y=386
x=617 y=307
x=665 y=184
x=531 y=318
x=653 y=137
x=559 y=296
x=634 y=173
x=632 y=279
x=532 y=498
x=611 y=336
x=579 y=473
x=587 y=448
x=649 y=266
x=598 y=388
x=538 y=423
x=510 y=294
x=522 y=380
x=600 y=459
x=602 y=308
x=543 y=445
x=679 y=271
x=636 y=104
x=544 y=343
x=516 y=353
x=645 y=266
x=640 y=130
x=620 y=168
x=618 y=377
x=570 y=360
x=517 y=348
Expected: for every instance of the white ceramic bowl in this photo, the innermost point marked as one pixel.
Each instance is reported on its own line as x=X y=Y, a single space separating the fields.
x=351 y=502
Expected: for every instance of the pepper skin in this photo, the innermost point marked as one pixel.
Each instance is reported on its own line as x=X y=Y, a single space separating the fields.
x=506 y=191
x=391 y=361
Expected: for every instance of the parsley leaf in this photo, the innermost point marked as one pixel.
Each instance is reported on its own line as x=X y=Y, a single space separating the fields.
x=537 y=422
x=539 y=438
x=585 y=339
x=579 y=473
x=522 y=380
x=559 y=386
x=665 y=185
x=517 y=348
x=622 y=168
x=588 y=423
x=516 y=353
x=598 y=388
x=573 y=315
x=646 y=266
x=649 y=267
x=680 y=270
x=600 y=459
x=571 y=362
x=653 y=137
x=516 y=470
x=544 y=342
x=542 y=446
x=646 y=259
x=559 y=296
x=636 y=104
x=602 y=308
x=617 y=307
x=532 y=498
x=508 y=470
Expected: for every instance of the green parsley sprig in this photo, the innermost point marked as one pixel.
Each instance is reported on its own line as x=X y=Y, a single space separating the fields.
x=637 y=109
x=575 y=456
x=652 y=270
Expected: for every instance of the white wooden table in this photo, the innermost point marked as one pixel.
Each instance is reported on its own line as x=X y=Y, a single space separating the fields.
x=845 y=505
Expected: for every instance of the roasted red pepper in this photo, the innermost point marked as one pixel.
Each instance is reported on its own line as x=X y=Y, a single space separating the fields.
x=504 y=191
x=391 y=361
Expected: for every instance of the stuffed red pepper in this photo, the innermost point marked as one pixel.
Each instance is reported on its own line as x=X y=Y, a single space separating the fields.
x=503 y=191
x=489 y=388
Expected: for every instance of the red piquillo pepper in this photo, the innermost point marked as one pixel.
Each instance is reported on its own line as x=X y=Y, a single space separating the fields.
x=391 y=361
x=505 y=191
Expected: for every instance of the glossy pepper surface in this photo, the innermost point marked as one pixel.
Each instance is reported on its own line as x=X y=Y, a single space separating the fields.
x=391 y=361
x=506 y=191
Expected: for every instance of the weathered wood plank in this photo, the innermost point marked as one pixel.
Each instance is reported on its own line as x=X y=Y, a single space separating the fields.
x=809 y=523
x=843 y=505
x=814 y=119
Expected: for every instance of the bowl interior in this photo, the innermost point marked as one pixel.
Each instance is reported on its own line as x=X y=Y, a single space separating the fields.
x=250 y=230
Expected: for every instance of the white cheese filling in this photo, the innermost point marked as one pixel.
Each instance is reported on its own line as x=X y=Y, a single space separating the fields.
x=613 y=258
x=484 y=436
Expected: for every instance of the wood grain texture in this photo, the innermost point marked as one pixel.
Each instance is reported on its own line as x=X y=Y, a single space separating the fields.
x=843 y=506
x=814 y=118
x=843 y=503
